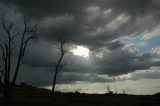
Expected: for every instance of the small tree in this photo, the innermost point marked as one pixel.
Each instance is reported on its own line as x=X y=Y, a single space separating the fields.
x=124 y=91
x=59 y=65
x=116 y=90
x=8 y=48
x=108 y=88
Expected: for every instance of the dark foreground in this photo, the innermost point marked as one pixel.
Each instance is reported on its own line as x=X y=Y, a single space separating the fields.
x=25 y=95
x=72 y=99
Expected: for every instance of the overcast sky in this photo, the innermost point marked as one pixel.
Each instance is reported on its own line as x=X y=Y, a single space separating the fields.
x=118 y=43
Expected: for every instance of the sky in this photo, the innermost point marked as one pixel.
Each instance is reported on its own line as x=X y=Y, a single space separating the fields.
x=114 y=43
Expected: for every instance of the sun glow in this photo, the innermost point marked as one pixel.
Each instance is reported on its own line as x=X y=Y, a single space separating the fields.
x=80 y=51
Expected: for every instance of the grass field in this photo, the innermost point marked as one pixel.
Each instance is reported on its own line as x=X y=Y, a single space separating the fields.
x=31 y=96
x=70 y=99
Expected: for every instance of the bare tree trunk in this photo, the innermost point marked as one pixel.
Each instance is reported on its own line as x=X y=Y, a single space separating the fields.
x=15 y=74
x=22 y=49
x=57 y=69
x=54 y=83
x=59 y=65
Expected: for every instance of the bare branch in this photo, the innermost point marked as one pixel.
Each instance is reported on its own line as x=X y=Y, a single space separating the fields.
x=7 y=48
x=25 y=21
x=28 y=34
x=32 y=29
x=26 y=42
x=1 y=82
x=7 y=28
x=1 y=75
x=59 y=65
x=14 y=36
x=13 y=47
x=3 y=52
x=2 y=72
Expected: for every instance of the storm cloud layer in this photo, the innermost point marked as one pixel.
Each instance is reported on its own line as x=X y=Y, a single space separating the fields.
x=95 y=24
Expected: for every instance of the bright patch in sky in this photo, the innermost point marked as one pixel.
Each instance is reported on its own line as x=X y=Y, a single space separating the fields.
x=80 y=51
x=140 y=43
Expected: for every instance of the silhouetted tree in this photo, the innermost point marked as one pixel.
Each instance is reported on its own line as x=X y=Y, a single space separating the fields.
x=13 y=41
x=124 y=91
x=59 y=65
x=116 y=90
x=107 y=88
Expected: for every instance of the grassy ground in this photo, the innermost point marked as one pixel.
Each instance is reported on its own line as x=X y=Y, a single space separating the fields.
x=66 y=99
x=32 y=96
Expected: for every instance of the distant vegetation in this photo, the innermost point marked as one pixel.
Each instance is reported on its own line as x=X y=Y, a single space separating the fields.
x=27 y=95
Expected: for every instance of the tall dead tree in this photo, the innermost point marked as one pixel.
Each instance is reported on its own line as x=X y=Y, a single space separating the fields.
x=59 y=65
x=14 y=41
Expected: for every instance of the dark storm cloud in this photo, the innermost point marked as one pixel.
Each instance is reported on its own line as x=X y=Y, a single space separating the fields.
x=115 y=45
x=115 y=61
x=45 y=8
x=120 y=62
x=94 y=23
x=39 y=76
x=40 y=54
x=84 y=22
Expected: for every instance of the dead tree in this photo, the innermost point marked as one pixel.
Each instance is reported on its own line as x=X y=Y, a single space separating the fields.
x=108 y=88
x=124 y=91
x=15 y=41
x=116 y=90
x=59 y=65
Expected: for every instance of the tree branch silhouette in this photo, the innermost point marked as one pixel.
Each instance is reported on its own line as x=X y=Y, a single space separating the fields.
x=7 y=48
x=59 y=65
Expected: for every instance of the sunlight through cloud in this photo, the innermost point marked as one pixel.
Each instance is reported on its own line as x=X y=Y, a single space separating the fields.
x=80 y=51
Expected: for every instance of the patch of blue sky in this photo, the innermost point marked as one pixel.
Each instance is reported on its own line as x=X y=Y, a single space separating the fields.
x=152 y=43
x=139 y=43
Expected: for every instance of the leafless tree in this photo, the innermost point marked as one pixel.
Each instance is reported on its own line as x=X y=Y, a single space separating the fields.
x=124 y=91
x=15 y=41
x=116 y=90
x=108 y=88
x=59 y=64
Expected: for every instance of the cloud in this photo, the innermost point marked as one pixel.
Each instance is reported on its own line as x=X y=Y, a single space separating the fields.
x=115 y=45
x=90 y=21
x=146 y=75
x=124 y=60
x=96 y=24
x=154 y=32
x=40 y=54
